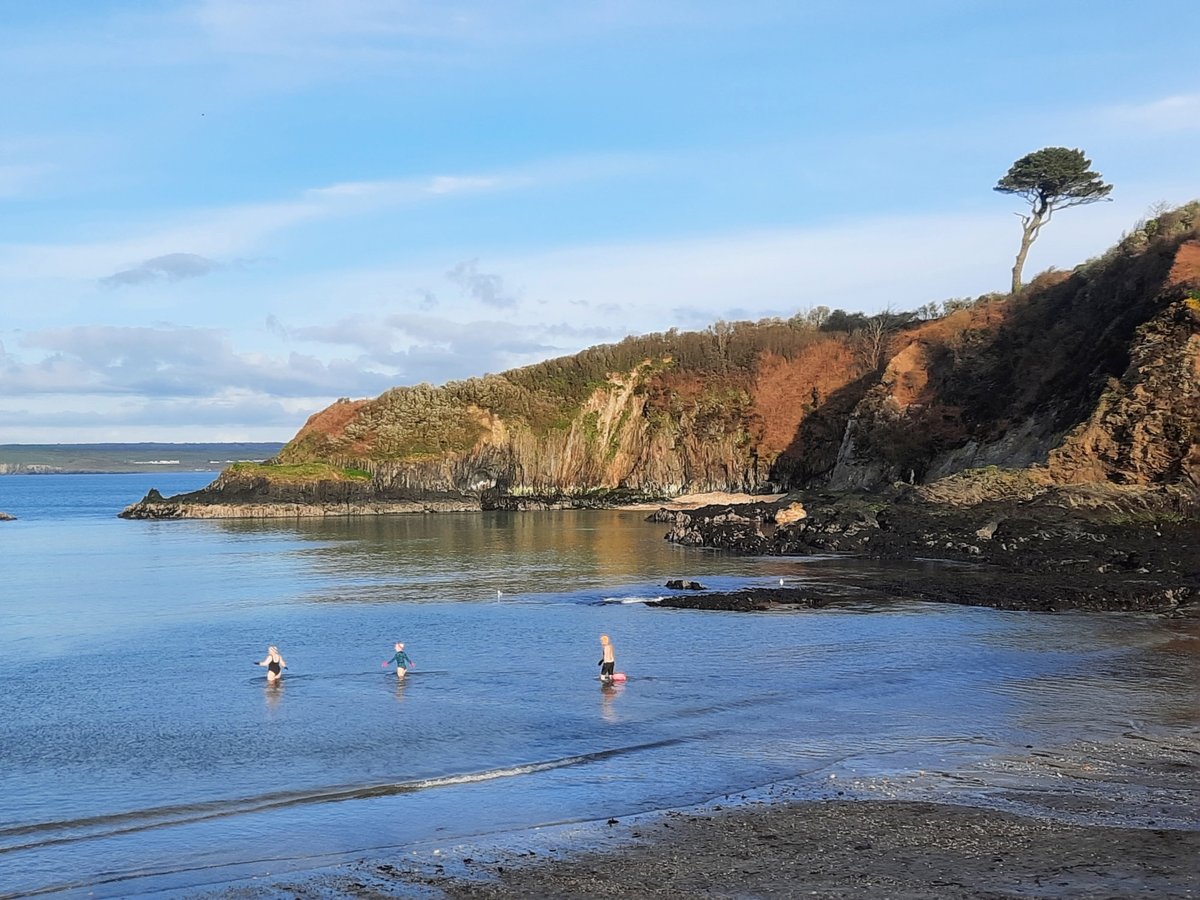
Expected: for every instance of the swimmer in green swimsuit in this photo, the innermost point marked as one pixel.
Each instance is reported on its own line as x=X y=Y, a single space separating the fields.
x=403 y=663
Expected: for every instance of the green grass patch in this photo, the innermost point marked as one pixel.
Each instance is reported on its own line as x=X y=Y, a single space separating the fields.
x=299 y=472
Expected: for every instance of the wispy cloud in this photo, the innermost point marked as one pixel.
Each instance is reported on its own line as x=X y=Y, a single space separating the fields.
x=17 y=179
x=360 y=332
x=1179 y=113
x=173 y=362
x=365 y=30
x=425 y=31
x=172 y=267
x=229 y=416
x=179 y=363
x=242 y=228
x=488 y=288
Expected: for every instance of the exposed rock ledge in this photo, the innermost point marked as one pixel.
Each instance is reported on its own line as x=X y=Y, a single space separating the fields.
x=1029 y=545
x=155 y=506
x=230 y=497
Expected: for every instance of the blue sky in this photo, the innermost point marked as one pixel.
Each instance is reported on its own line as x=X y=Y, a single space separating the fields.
x=221 y=215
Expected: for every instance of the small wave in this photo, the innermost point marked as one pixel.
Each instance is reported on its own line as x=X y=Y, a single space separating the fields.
x=68 y=831
x=609 y=601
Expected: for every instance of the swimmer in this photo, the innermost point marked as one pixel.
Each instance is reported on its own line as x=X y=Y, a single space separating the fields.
x=403 y=663
x=607 y=659
x=275 y=664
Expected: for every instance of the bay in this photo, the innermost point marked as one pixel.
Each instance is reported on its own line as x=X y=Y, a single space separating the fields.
x=143 y=751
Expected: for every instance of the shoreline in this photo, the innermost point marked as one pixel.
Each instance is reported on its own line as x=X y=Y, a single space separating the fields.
x=1116 y=819
x=835 y=849
x=156 y=506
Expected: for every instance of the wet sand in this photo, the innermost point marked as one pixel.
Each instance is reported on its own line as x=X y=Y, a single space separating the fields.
x=1120 y=819
x=838 y=849
x=867 y=849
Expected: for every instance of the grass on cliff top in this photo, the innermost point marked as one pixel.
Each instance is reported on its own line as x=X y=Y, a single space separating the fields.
x=298 y=473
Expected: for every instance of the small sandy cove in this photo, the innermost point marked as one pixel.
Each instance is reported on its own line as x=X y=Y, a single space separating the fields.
x=712 y=498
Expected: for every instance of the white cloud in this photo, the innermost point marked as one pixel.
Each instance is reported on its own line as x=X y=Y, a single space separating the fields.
x=231 y=416
x=1166 y=115
x=573 y=297
x=330 y=32
x=325 y=29
x=172 y=267
x=17 y=179
x=172 y=362
x=862 y=265
x=241 y=228
x=487 y=288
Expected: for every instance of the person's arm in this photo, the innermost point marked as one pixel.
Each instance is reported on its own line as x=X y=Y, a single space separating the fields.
x=264 y=662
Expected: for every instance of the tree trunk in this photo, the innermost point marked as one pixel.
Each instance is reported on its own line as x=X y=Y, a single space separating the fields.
x=1029 y=231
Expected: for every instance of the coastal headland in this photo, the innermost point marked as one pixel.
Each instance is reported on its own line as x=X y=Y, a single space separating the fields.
x=1050 y=438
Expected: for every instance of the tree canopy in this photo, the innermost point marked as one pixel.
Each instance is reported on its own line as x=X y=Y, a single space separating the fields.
x=1050 y=179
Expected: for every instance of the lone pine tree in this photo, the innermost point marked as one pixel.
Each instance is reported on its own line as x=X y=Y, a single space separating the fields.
x=1050 y=179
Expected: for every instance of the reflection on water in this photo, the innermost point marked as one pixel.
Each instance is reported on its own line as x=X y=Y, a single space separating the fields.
x=503 y=723
x=401 y=685
x=608 y=697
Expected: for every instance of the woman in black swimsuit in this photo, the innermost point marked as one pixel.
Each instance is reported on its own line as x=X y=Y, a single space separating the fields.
x=275 y=664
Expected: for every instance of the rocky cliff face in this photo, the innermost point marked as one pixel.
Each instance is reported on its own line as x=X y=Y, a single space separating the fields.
x=1094 y=376
x=617 y=440
x=1090 y=376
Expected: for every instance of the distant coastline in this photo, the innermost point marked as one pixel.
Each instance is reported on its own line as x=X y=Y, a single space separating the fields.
x=115 y=458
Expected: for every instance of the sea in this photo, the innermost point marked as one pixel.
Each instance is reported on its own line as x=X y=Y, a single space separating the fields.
x=142 y=751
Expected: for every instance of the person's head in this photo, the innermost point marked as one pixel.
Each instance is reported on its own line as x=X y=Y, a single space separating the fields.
x=273 y=651
x=604 y=638
x=399 y=646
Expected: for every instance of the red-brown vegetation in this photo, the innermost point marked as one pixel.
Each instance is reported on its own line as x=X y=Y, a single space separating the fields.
x=787 y=390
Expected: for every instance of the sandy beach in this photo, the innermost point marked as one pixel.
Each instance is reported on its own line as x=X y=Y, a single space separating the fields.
x=699 y=501
x=867 y=849
x=1118 y=820
x=839 y=849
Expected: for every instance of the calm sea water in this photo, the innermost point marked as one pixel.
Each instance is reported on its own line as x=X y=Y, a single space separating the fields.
x=141 y=750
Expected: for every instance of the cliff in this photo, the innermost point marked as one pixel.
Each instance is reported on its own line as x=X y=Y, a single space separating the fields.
x=1087 y=376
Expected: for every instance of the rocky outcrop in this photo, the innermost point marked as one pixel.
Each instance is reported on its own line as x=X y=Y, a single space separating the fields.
x=154 y=506
x=790 y=514
x=1028 y=545
x=741 y=528
x=1145 y=428
x=231 y=497
x=5 y=517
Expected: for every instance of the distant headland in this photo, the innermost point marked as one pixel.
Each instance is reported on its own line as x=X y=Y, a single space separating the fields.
x=75 y=459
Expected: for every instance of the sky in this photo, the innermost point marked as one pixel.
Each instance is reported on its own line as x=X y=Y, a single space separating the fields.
x=219 y=216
